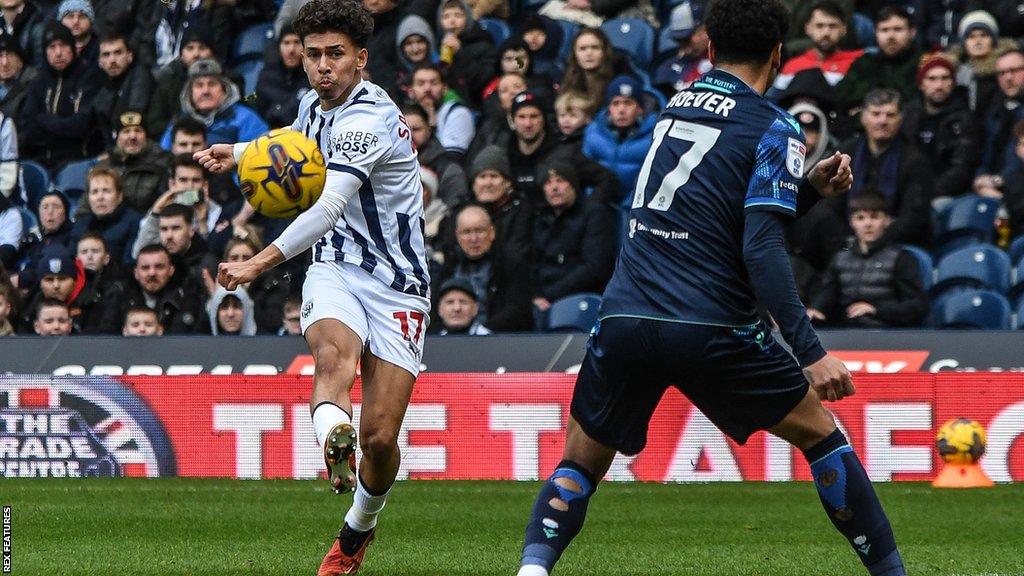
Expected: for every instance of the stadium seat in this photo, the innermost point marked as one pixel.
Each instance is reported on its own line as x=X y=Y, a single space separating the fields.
x=924 y=261
x=1020 y=315
x=71 y=180
x=577 y=312
x=250 y=72
x=1016 y=251
x=569 y=32
x=667 y=47
x=29 y=223
x=982 y=266
x=968 y=215
x=975 y=309
x=498 y=29
x=35 y=182
x=251 y=42
x=633 y=36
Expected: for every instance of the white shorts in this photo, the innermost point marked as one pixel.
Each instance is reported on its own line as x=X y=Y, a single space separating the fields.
x=391 y=323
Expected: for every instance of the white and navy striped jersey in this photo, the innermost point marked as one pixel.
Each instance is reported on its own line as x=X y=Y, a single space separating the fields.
x=381 y=229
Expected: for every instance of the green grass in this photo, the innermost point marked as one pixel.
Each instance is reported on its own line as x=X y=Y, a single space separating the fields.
x=177 y=526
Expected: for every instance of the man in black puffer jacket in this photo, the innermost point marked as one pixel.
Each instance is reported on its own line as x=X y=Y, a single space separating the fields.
x=127 y=86
x=942 y=126
x=282 y=82
x=875 y=283
x=56 y=120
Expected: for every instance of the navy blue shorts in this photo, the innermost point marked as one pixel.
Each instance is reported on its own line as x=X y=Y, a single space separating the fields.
x=740 y=378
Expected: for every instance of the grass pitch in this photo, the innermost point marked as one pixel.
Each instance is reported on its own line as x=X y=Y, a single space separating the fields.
x=221 y=527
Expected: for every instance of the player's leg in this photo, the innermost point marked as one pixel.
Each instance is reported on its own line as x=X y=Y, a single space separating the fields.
x=386 y=392
x=561 y=506
x=843 y=485
x=618 y=387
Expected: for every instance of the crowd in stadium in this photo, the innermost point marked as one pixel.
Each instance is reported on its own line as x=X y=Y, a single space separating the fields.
x=532 y=120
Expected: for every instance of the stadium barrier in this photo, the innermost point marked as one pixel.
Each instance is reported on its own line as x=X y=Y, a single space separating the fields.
x=465 y=426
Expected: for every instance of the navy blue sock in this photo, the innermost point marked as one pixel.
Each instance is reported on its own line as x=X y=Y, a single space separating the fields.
x=557 y=516
x=852 y=506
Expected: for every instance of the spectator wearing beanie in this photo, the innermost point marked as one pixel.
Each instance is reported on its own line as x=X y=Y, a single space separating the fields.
x=282 y=82
x=975 y=55
x=458 y=311
x=212 y=99
x=54 y=216
x=574 y=238
x=621 y=134
x=415 y=44
x=16 y=75
x=62 y=277
x=942 y=126
x=196 y=43
x=511 y=214
x=79 y=16
x=56 y=120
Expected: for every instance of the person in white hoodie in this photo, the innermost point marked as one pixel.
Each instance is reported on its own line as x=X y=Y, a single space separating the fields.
x=231 y=313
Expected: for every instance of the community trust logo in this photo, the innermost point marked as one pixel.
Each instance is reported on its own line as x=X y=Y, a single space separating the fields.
x=73 y=427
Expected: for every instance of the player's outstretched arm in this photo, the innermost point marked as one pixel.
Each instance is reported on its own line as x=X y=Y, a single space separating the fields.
x=832 y=176
x=220 y=158
x=302 y=233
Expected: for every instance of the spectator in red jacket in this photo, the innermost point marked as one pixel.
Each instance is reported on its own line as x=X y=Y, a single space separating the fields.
x=826 y=28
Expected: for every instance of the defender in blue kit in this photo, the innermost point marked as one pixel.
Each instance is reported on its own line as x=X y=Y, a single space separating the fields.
x=704 y=253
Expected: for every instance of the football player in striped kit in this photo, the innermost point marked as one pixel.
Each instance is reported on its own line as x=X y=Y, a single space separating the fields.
x=365 y=299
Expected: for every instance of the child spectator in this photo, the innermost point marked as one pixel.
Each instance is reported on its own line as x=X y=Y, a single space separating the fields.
x=231 y=313
x=458 y=310
x=874 y=284
x=142 y=321
x=574 y=111
x=290 y=323
x=467 y=49
x=52 y=318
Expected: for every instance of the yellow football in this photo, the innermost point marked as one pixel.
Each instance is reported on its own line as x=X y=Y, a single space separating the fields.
x=282 y=173
x=961 y=441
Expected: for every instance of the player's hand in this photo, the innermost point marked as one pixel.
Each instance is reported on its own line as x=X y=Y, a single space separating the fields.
x=231 y=275
x=218 y=158
x=830 y=379
x=858 y=309
x=815 y=315
x=832 y=176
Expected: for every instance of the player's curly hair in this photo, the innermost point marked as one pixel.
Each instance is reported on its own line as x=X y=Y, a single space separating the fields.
x=746 y=31
x=345 y=16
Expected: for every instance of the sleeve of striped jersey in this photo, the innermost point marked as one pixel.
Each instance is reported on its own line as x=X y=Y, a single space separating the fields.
x=321 y=217
x=359 y=141
x=778 y=169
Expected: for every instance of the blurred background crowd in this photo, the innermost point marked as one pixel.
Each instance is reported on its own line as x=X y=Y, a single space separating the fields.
x=532 y=119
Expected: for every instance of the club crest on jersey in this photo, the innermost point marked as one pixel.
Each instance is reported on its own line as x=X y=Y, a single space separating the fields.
x=795 y=153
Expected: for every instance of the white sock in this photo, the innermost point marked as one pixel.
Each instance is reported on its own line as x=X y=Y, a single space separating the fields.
x=362 y=516
x=532 y=570
x=326 y=416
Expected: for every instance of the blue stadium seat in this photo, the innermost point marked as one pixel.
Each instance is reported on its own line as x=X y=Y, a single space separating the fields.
x=498 y=29
x=1020 y=315
x=35 y=182
x=569 y=32
x=667 y=47
x=968 y=215
x=71 y=180
x=924 y=261
x=1016 y=251
x=29 y=223
x=250 y=72
x=252 y=41
x=633 y=36
x=574 y=313
x=975 y=309
x=982 y=266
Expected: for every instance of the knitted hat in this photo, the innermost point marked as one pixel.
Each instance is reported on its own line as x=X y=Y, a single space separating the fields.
x=205 y=67
x=626 y=86
x=526 y=99
x=57 y=32
x=69 y=6
x=198 y=31
x=934 y=60
x=533 y=22
x=494 y=158
x=56 y=260
x=562 y=168
x=978 y=20
x=9 y=43
x=456 y=284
